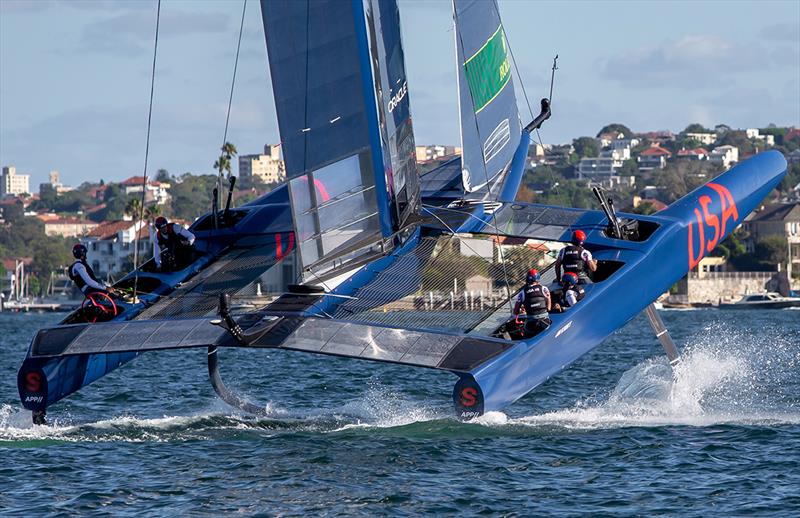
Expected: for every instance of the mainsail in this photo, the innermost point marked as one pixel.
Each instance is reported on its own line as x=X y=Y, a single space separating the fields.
x=341 y=94
x=490 y=125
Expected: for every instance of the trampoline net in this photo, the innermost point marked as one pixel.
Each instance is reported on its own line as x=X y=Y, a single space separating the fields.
x=448 y=282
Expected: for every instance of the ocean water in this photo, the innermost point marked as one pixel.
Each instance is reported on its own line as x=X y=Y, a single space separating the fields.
x=616 y=434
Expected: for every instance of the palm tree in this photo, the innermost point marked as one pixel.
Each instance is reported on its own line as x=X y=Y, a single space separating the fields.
x=152 y=212
x=223 y=163
x=133 y=208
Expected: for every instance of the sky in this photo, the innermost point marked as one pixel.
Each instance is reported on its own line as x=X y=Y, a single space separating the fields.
x=75 y=75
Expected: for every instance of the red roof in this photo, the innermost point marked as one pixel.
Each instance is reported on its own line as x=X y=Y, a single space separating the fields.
x=108 y=230
x=656 y=204
x=792 y=134
x=10 y=264
x=139 y=180
x=96 y=208
x=96 y=192
x=689 y=152
x=656 y=151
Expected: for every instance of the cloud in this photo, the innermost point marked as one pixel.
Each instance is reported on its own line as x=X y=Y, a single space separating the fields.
x=695 y=60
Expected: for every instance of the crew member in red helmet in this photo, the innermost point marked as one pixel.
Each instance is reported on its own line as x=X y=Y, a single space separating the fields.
x=574 y=258
x=535 y=298
x=172 y=248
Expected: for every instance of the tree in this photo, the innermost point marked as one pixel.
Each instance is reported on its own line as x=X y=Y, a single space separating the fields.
x=13 y=212
x=771 y=250
x=736 y=138
x=192 y=196
x=162 y=175
x=696 y=128
x=616 y=128
x=223 y=163
x=134 y=208
x=645 y=208
x=586 y=147
x=629 y=167
x=152 y=212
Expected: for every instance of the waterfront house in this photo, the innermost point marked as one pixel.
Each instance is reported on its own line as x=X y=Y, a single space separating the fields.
x=654 y=157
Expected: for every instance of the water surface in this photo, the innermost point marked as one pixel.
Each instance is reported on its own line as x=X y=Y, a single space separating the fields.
x=617 y=433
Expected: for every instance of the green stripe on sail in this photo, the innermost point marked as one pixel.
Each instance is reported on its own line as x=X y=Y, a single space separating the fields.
x=488 y=70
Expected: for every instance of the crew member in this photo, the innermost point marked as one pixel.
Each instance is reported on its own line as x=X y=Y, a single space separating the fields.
x=173 y=245
x=535 y=298
x=82 y=274
x=572 y=292
x=576 y=259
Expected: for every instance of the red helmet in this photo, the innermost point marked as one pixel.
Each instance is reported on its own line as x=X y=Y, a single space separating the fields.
x=578 y=237
x=569 y=279
x=161 y=222
x=533 y=275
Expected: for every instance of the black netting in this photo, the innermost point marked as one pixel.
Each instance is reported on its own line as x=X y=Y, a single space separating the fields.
x=252 y=277
x=447 y=282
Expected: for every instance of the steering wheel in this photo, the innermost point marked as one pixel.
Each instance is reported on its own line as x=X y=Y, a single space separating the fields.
x=98 y=306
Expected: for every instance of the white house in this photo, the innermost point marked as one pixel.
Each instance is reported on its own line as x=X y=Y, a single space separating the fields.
x=755 y=134
x=725 y=155
x=112 y=243
x=606 y=165
x=157 y=192
x=654 y=157
x=704 y=138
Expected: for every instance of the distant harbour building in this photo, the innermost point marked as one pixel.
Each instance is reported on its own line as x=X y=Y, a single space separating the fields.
x=696 y=154
x=428 y=153
x=657 y=137
x=780 y=220
x=111 y=245
x=654 y=157
x=704 y=138
x=157 y=192
x=13 y=184
x=68 y=227
x=263 y=168
x=755 y=134
x=54 y=184
x=603 y=170
x=724 y=155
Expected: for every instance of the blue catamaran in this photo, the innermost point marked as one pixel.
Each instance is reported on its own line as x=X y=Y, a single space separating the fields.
x=358 y=255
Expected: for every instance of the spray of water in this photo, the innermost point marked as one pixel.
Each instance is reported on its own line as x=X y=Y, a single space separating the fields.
x=723 y=377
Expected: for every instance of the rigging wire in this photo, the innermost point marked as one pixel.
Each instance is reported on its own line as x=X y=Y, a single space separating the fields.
x=525 y=93
x=483 y=158
x=146 y=156
x=230 y=101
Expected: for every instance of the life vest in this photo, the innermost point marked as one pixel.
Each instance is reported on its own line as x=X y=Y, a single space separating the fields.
x=170 y=239
x=572 y=260
x=535 y=301
x=579 y=293
x=77 y=279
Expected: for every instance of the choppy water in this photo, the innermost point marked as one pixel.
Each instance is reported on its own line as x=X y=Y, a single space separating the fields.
x=615 y=434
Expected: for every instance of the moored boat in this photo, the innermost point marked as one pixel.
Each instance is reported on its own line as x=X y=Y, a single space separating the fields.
x=763 y=301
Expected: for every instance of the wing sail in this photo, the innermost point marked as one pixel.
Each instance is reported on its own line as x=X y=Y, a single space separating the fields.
x=341 y=94
x=490 y=125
